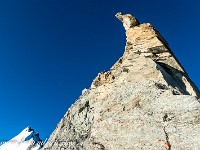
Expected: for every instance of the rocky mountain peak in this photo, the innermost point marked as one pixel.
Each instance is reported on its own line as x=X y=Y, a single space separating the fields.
x=145 y=101
x=144 y=47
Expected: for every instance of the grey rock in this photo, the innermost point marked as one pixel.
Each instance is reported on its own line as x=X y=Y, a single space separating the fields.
x=146 y=101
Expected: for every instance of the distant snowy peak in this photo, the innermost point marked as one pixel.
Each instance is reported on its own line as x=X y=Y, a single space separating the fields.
x=26 y=140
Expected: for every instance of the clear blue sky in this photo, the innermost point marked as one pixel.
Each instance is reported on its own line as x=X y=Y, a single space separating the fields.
x=52 y=49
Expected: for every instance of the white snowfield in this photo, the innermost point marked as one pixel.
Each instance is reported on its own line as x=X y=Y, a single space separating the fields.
x=26 y=140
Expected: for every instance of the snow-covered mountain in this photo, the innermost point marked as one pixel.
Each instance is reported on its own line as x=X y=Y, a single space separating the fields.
x=26 y=140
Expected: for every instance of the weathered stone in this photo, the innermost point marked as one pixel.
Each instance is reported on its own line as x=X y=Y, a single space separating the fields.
x=102 y=78
x=146 y=101
x=128 y=20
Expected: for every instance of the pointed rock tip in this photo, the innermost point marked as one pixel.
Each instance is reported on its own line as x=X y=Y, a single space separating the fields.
x=128 y=20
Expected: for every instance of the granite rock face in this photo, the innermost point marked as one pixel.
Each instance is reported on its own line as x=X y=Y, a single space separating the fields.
x=146 y=101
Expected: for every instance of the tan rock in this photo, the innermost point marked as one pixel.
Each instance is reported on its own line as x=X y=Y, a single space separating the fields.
x=128 y=20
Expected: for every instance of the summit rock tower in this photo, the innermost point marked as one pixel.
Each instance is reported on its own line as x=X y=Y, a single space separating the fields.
x=145 y=101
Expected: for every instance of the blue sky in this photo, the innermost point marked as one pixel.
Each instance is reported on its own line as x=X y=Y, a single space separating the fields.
x=52 y=49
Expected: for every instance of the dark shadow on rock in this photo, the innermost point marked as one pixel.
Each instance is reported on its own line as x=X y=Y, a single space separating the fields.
x=174 y=78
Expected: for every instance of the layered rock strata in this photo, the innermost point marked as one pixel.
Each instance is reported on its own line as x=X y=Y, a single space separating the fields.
x=146 y=101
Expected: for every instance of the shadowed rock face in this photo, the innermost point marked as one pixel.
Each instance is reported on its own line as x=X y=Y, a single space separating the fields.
x=145 y=101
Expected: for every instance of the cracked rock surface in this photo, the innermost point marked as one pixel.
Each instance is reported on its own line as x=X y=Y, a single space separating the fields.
x=146 y=101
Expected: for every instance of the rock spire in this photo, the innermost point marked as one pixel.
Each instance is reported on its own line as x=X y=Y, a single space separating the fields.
x=128 y=20
x=145 y=101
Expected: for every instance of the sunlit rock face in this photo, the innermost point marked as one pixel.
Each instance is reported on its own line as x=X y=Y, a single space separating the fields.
x=25 y=140
x=145 y=101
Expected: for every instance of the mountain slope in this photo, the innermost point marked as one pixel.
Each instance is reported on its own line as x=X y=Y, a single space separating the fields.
x=145 y=101
x=25 y=140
